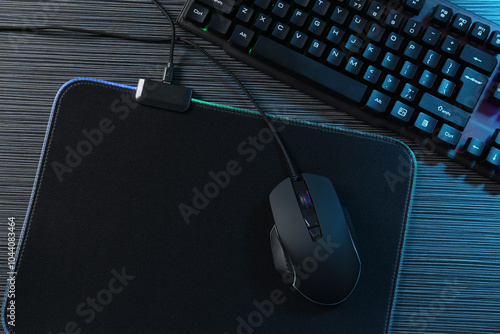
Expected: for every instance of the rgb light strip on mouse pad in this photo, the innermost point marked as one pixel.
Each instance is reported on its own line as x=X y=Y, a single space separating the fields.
x=149 y=221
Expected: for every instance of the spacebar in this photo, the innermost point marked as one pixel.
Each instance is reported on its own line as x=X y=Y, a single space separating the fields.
x=308 y=69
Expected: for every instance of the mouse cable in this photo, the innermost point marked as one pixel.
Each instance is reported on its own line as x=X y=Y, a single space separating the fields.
x=168 y=73
x=169 y=69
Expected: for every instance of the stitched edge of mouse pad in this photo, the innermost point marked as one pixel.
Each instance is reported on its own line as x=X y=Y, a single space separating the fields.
x=24 y=237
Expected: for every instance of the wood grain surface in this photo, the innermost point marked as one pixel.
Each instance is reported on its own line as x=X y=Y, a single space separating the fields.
x=450 y=275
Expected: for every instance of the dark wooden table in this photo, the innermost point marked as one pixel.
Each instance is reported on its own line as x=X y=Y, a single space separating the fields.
x=450 y=276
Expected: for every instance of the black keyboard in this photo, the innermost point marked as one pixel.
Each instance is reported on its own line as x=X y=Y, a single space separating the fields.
x=426 y=69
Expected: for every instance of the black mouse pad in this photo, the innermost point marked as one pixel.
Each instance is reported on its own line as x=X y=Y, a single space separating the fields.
x=149 y=221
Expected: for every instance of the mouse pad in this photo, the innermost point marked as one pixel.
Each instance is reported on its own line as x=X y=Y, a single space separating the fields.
x=149 y=221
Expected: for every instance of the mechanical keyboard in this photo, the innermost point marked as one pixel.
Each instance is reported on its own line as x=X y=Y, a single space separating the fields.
x=426 y=69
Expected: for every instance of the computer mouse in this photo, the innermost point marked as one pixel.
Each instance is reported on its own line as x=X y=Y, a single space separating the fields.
x=311 y=243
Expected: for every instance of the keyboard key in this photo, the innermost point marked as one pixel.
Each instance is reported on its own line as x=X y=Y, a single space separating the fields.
x=493 y=158
x=495 y=139
x=409 y=70
x=496 y=96
x=479 y=32
x=262 y=4
x=472 y=88
x=478 y=59
x=444 y=110
x=358 y=24
x=442 y=15
x=390 y=83
x=263 y=22
x=302 y=3
x=376 y=10
x=378 y=102
x=414 y=6
x=335 y=35
x=446 y=88
x=295 y=63
x=354 y=66
x=225 y=6
x=390 y=61
x=241 y=37
x=394 y=41
x=413 y=28
x=336 y=57
x=339 y=15
x=431 y=37
x=321 y=7
x=354 y=43
x=427 y=79
x=474 y=147
x=394 y=19
x=402 y=112
x=317 y=48
x=425 y=124
x=494 y=42
x=219 y=24
x=461 y=24
x=432 y=59
x=409 y=93
x=357 y=5
x=281 y=9
x=413 y=50
x=450 y=68
x=281 y=31
x=244 y=14
x=449 y=136
x=317 y=26
x=198 y=13
x=372 y=74
x=450 y=46
x=375 y=33
x=298 y=18
x=299 y=40
x=372 y=52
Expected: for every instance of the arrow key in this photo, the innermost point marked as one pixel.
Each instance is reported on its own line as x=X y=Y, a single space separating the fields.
x=474 y=147
x=493 y=158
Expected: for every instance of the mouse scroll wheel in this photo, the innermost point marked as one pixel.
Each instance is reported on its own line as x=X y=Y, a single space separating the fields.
x=304 y=199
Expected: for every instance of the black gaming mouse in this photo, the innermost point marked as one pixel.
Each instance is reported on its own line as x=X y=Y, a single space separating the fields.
x=311 y=242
